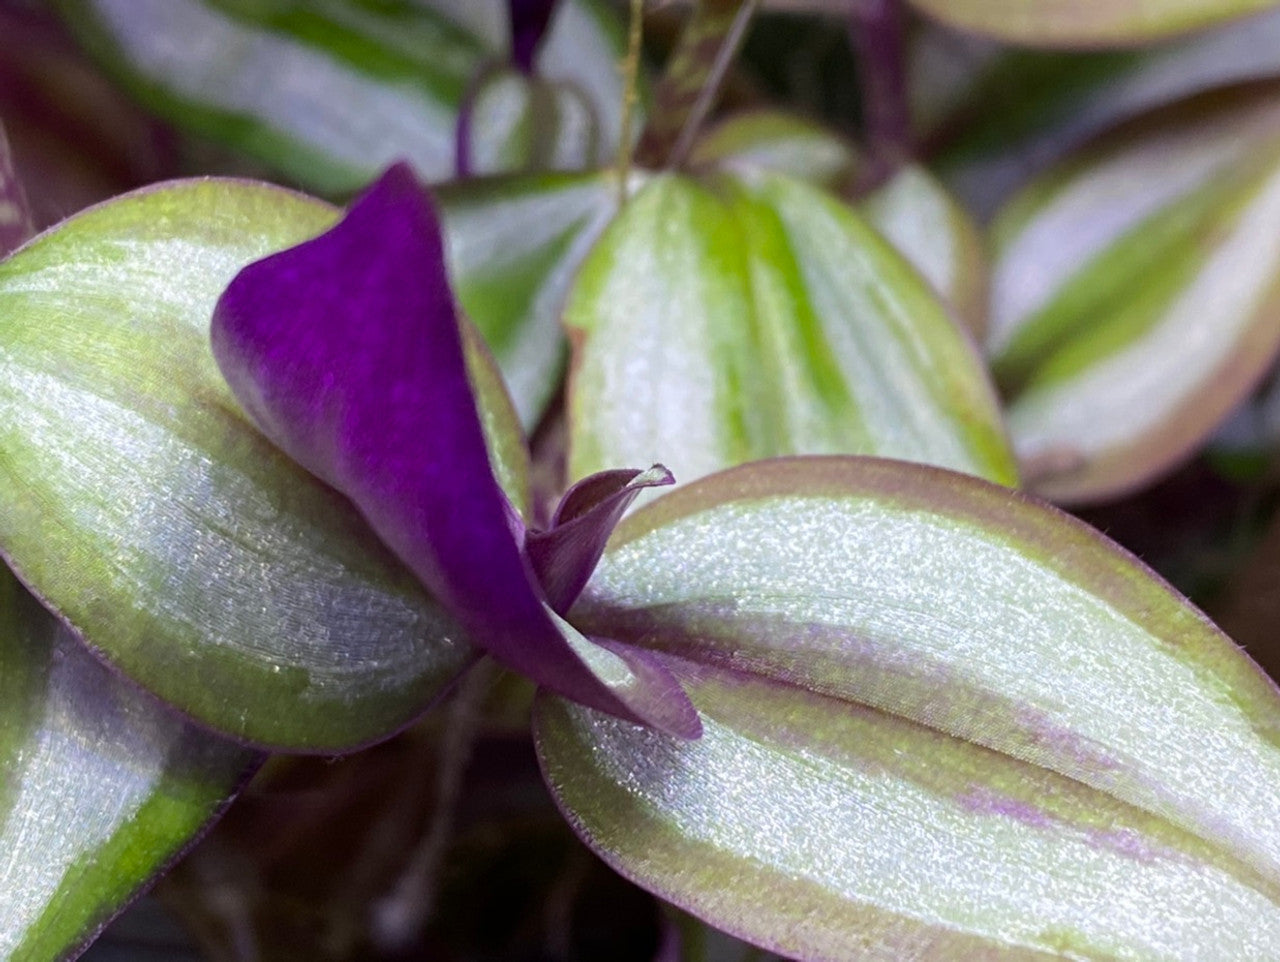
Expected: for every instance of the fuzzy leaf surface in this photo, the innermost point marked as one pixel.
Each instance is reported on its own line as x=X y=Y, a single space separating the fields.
x=103 y=785
x=940 y=719
x=146 y=509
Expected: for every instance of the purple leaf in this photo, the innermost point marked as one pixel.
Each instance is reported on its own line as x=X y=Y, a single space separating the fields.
x=529 y=19
x=346 y=351
x=564 y=556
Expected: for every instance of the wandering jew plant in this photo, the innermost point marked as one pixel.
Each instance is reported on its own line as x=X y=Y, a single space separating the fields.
x=800 y=662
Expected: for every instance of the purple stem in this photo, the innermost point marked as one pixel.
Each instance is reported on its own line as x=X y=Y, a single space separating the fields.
x=16 y=224
x=877 y=33
x=529 y=20
x=691 y=80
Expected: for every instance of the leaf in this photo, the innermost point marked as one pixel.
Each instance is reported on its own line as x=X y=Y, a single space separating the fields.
x=514 y=245
x=762 y=319
x=997 y=115
x=346 y=350
x=928 y=226
x=1068 y=23
x=145 y=509
x=1134 y=294
x=330 y=92
x=103 y=786
x=514 y=122
x=941 y=720
x=327 y=92
x=778 y=142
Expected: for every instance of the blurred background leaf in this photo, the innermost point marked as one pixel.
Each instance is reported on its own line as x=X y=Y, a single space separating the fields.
x=329 y=93
x=1071 y=23
x=1133 y=296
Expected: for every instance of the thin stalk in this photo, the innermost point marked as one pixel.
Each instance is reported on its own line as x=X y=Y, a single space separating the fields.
x=16 y=224
x=630 y=75
x=401 y=914
x=691 y=82
x=878 y=34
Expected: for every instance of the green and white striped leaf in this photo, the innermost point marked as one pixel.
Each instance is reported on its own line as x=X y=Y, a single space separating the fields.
x=1134 y=297
x=929 y=228
x=143 y=507
x=102 y=785
x=713 y=326
x=514 y=247
x=996 y=116
x=775 y=141
x=942 y=721
x=330 y=92
x=327 y=92
x=1091 y=23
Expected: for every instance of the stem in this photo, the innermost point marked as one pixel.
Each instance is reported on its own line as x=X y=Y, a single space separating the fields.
x=400 y=915
x=16 y=224
x=691 y=82
x=877 y=32
x=630 y=73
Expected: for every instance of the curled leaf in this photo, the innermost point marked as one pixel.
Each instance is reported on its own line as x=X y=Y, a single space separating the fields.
x=564 y=556
x=347 y=352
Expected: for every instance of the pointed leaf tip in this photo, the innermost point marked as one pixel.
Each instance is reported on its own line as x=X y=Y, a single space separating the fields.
x=564 y=556
x=347 y=352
